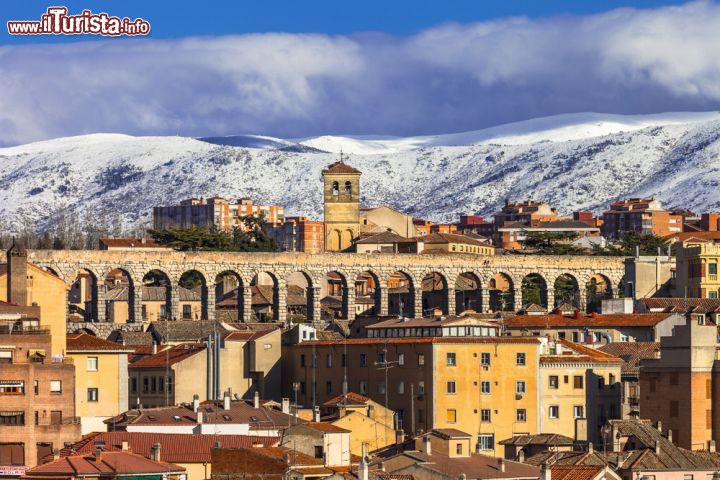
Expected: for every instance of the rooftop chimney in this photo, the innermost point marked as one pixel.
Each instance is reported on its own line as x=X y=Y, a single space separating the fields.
x=521 y=456
x=711 y=446
x=399 y=437
x=427 y=445
x=576 y=314
x=154 y=348
x=155 y=452
x=316 y=414
x=285 y=406
x=669 y=435
x=659 y=426
x=591 y=448
x=363 y=467
x=256 y=399
x=196 y=402
x=17 y=275
x=657 y=447
x=462 y=476
x=226 y=401
x=125 y=446
x=501 y=464
x=217 y=444
x=545 y=473
x=98 y=453
x=56 y=453
x=199 y=416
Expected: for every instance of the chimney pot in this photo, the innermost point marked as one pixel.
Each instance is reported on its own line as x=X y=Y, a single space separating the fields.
x=427 y=445
x=285 y=406
x=669 y=435
x=711 y=446
x=521 y=456
x=56 y=454
x=125 y=446
x=98 y=453
x=657 y=447
x=659 y=426
x=501 y=464
x=591 y=448
x=155 y=452
x=545 y=473
x=316 y=414
x=256 y=399
x=196 y=402
x=226 y=401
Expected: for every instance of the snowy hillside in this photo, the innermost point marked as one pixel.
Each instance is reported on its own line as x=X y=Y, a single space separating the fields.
x=575 y=162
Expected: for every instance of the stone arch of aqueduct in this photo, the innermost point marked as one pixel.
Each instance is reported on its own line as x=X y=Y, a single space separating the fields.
x=279 y=266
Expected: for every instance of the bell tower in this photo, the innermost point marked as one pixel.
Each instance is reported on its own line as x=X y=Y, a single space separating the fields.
x=341 y=190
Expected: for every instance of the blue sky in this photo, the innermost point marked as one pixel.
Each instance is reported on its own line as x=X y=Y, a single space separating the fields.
x=306 y=68
x=401 y=17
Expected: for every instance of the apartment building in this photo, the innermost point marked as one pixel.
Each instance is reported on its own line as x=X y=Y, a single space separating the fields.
x=640 y=215
x=215 y=212
x=526 y=212
x=486 y=385
x=298 y=234
x=681 y=388
x=101 y=379
x=37 y=392
x=696 y=271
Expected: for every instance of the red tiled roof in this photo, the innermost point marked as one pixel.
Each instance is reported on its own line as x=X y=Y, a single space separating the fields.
x=171 y=356
x=631 y=353
x=574 y=472
x=83 y=342
x=174 y=447
x=325 y=427
x=607 y=320
x=583 y=354
x=117 y=462
x=376 y=341
x=350 y=398
x=248 y=335
x=696 y=305
x=6 y=304
x=340 y=167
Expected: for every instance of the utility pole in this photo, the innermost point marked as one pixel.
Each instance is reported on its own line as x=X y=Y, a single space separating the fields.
x=386 y=365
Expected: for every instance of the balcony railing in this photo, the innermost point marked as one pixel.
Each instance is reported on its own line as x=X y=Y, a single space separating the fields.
x=712 y=277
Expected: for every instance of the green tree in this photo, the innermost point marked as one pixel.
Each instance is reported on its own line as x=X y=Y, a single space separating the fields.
x=648 y=244
x=249 y=238
x=552 y=243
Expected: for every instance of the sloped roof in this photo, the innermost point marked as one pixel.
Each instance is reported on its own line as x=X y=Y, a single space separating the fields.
x=576 y=472
x=448 y=433
x=169 y=357
x=174 y=447
x=132 y=338
x=548 y=439
x=474 y=466
x=385 y=237
x=153 y=294
x=83 y=342
x=112 y=463
x=579 y=353
x=631 y=353
x=185 y=330
x=340 y=167
x=443 y=238
x=347 y=399
x=605 y=320
x=696 y=305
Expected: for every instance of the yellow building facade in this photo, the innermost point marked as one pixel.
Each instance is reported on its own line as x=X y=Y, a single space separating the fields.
x=341 y=193
x=697 y=270
x=40 y=288
x=101 y=379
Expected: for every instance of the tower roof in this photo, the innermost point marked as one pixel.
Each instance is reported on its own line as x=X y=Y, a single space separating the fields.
x=17 y=249
x=340 y=167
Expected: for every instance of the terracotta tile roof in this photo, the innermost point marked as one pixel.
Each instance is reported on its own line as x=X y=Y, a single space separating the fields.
x=548 y=439
x=562 y=472
x=448 y=433
x=631 y=353
x=606 y=320
x=174 y=447
x=109 y=463
x=185 y=330
x=83 y=342
x=247 y=335
x=474 y=466
x=296 y=458
x=153 y=294
x=696 y=305
x=567 y=458
x=382 y=341
x=690 y=236
x=340 y=167
x=346 y=399
x=134 y=339
x=445 y=238
x=426 y=322
x=579 y=354
x=386 y=237
x=171 y=356
x=325 y=427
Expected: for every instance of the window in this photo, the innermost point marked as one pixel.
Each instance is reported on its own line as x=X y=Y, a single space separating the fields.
x=302 y=388
x=712 y=268
x=674 y=408
x=12 y=387
x=578 y=411
x=452 y=415
x=12 y=418
x=302 y=360
x=578 y=381
x=55 y=386
x=401 y=359
x=92 y=394
x=328 y=360
x=343 y=359
x=318 y=451
x=450 y=387
x=450 y=360
x=520 y=359
x=485 y=415
x=421 y=359
x=520 y=387
x=187 y=311
x=566 y=379
x=521 y=415
x=12 y=454
x=163 y=311
x=328 y=387
x=421 y=388
x=485 y=387
x=133 y=385
x=553 y=381
x=363 y=360
x=486 y=441
x=458 y=449
x=92 y=364
x=401 y=388
x=36 y=387
x=611 y=380
x=485 y=359
x=381 y=388
x=554 y=411
x=363 y=388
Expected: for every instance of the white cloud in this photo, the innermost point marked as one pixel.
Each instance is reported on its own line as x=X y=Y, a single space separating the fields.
x=450 y=78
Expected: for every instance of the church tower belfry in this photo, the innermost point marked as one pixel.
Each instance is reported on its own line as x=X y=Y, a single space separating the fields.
x=341 y=200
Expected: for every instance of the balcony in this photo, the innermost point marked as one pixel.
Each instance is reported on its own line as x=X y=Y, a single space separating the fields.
x=712 y=277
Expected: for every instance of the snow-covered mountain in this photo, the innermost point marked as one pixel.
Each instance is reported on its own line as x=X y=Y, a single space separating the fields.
x=578 y=161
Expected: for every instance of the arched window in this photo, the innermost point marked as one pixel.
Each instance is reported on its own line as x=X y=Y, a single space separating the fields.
x=348 y=188
x=335 y=188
